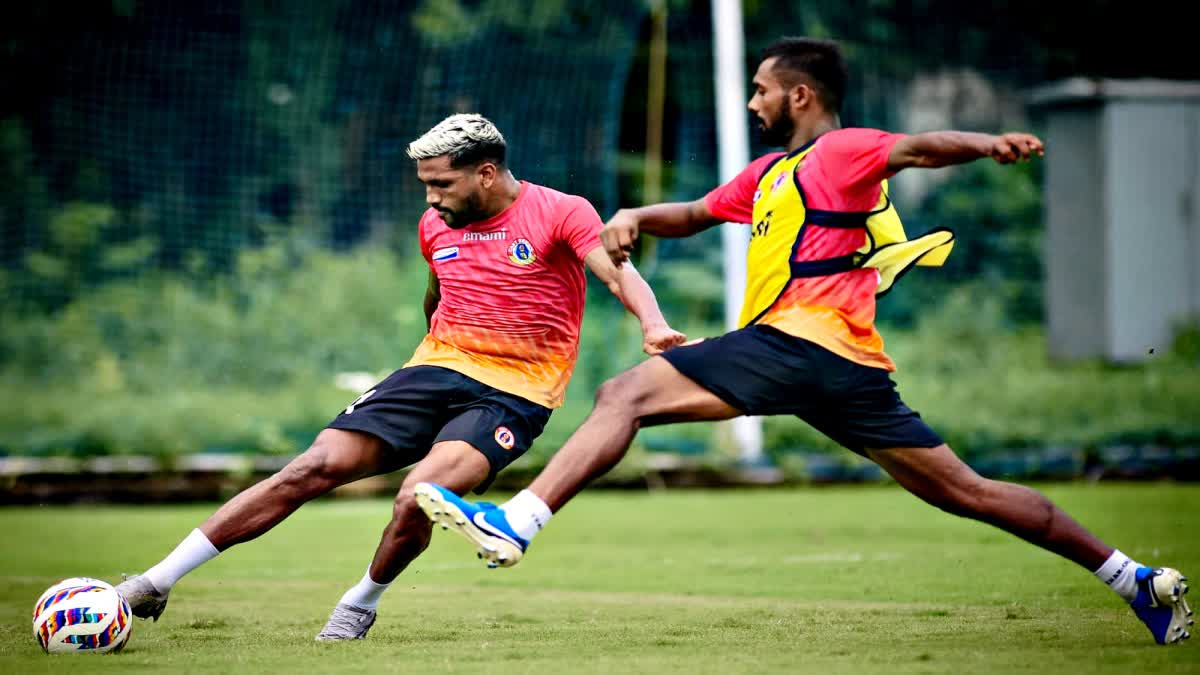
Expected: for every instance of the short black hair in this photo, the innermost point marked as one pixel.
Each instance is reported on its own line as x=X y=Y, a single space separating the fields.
x=478 y=153
x=819 y=61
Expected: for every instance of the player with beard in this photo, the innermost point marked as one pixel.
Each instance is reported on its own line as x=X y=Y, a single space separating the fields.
x=825 y=241
x=504 y=306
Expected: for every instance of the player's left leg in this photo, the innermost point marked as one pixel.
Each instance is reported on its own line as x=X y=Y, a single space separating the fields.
x=863 y=412
x=455 y=464
x=487 y=430
x=939 y=477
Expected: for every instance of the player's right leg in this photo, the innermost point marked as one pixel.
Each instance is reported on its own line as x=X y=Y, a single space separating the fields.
x=653 y=392
x=336 y=457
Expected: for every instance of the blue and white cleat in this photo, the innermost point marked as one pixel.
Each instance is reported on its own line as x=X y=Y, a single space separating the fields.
x=483 y=524
x=1160 y=604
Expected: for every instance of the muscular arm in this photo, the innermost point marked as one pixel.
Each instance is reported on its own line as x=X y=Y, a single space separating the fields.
x=433 y=295
x=944 y=148
x=675 y=219
x=633 y=292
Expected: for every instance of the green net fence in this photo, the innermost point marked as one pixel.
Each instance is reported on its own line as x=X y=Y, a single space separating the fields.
x=182 y=133
x=207 y=215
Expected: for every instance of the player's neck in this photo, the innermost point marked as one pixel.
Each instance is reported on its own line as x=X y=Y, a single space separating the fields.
x=806 y=131
x=504 y=193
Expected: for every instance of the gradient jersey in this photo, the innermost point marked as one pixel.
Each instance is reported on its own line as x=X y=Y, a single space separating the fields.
x=795 y=204
x=512 y=293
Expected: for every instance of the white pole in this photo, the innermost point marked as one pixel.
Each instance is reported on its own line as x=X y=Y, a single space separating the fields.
x=733 y=147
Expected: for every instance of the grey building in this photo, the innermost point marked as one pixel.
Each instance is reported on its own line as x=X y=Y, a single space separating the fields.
x=1122 y=214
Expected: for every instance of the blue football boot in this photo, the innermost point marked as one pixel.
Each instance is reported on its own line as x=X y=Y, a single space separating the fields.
x=483 y=524
x=1160 y=604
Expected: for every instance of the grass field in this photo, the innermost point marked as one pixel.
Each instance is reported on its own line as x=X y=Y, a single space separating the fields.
x=830 y=580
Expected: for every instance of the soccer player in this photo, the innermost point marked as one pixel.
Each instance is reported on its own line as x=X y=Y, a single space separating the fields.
x=808 y=346
x=504 y=305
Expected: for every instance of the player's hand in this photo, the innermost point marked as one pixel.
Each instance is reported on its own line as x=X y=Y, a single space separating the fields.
x=658 y=339
x=618 y=235
x=1008 y=148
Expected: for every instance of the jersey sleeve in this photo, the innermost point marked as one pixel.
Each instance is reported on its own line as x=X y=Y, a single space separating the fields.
x=733 y=202
x=857 y=159
x=578 y=225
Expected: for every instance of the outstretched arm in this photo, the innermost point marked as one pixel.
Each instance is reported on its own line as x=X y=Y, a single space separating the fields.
x=944 y=148
x=633 y=292
x=675 y=219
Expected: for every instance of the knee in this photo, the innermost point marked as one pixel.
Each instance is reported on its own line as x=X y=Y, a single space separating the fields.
x=405 y=509
x=409 y=523
x=314 y=472
x=623 y=392
x=966 y=497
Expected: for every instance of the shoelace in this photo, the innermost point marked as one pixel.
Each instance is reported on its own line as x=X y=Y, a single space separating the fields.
x=346 y=620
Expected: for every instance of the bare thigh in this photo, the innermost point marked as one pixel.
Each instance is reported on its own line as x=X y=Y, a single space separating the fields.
x=660 y=394
x=928 y=471
x=455 y=465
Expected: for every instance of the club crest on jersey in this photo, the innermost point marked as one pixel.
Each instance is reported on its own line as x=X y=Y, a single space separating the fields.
x=444 y=254
x=505 y=438
x=520 y=252
x=778 y=180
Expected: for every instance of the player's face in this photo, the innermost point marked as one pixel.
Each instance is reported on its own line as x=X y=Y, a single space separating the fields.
x=770 y=105
x=456 y=193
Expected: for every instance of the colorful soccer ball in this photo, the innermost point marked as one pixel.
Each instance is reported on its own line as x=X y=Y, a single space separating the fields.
x=81 y=615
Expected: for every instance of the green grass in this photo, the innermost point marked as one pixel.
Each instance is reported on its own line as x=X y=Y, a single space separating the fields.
x=831 y=580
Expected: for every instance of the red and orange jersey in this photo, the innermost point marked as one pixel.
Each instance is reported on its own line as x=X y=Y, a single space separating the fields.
x=796 y=204
x=512 y=293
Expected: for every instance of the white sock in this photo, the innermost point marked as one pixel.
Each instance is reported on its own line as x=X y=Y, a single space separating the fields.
x=526 y=513
x=1120 y=573
x=366 y=594
x=192 y=552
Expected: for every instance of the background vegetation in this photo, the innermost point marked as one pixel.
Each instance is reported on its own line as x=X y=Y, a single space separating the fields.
x=206 y=215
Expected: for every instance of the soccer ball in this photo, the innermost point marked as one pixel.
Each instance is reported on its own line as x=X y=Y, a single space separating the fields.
x=81 y=615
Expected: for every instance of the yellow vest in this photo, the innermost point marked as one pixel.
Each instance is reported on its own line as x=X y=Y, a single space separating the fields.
x=779 y=220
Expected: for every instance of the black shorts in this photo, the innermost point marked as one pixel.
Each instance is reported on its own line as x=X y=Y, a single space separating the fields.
x=416 y=407
x=761 y=370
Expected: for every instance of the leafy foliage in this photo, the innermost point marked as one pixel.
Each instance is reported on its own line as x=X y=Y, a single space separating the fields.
x=248 y=361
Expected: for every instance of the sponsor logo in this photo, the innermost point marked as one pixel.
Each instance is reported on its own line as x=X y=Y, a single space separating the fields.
x=485 y=236
x=757 y=195
x=443 y=254
x=520 y=252
x=505 y=438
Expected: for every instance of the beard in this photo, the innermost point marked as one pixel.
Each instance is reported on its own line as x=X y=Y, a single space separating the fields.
x=470 y=212
x=777 y=133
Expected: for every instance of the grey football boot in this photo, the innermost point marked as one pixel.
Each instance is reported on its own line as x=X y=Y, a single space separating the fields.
x=145 y=601
x=347 y=623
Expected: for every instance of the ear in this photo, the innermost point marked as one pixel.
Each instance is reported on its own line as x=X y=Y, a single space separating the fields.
x=487 y=173
x=803 y=96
